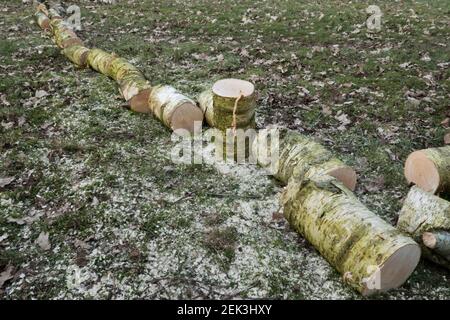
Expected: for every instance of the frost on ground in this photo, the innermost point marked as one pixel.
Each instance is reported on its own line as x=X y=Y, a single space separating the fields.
x=91 y=205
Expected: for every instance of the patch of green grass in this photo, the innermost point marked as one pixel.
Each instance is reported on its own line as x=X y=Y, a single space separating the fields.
x=222 y=242
x=153 y=223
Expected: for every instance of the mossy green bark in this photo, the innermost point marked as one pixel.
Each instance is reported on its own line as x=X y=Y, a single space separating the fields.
x=42 y=20
x=424 y=212
x=100 y=60
x=78 y=55
x=63 y=35
x=349 y=236
x=131 y=81
x=298 y=156
x=162 y=100
x=205 y=101
x=218 y=110
x=223 y=112
x=165 y=100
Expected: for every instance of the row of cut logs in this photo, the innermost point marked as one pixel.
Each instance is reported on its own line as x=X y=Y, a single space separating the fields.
x=174 y=109
x=372 y=255
x=318 y=202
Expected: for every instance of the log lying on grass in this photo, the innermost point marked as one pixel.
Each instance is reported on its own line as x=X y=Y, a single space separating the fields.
x=174 y=109
x=429 y=169
x=63 y=35
x=299 y=156
x=371 y=255
x=426 y=218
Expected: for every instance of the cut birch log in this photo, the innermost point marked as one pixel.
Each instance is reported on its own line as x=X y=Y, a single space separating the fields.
x=426 y=218
x=371 y=255
x=78 y=55
x=63 y=35
x=294 y=155
x=170 y=106
x=429 y=169
x=205 y=101
x=438 y=241
x=218 y=104
x=131 y=81
x=174 y=109
x=43 y=21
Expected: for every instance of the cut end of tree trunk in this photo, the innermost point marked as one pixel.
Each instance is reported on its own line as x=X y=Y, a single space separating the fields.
x=422 y=171
x=395 y=271
x=233 y=88
x=346 y=175
x=371 y=254
x=139 y=102
x=185 y=116
x=429 y=240
x=426 y=218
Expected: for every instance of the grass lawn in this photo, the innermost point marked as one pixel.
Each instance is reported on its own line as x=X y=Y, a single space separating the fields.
x=125 y=222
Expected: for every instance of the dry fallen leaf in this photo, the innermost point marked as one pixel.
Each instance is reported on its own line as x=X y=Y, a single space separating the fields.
x=81 y=244
x=7 y=125
x=5 y=181
x=326 y=110
x=447 y=138
x=40 y=93
x=4 y=100
x=343 y=119
x=6 y=275
x=43 y=242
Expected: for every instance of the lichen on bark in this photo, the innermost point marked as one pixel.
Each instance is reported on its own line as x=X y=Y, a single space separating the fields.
x=424 y=212
x=353 y=239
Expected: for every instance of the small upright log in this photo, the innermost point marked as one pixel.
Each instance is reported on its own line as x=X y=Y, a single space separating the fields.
x=426 y=218
x=230 y=103
x=371 y=255
x=174 y=109
x=429 y=169
x=230 y=106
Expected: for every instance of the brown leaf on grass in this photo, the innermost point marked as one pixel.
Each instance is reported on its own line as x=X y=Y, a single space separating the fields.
x=343 y=119
x=4 y=101
x=277 y=216
x=43 y=241
x=7 y=125
x=40 y=93
x=375 y=185
x=447 y=138
x=6 y=181
x=326 y=110
x=6 y=275
x=80 y=244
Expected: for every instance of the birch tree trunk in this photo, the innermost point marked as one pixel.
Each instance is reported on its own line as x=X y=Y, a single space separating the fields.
x=371 y=255
x=299 y=156
x=229 y=103
x=429 y=169
x=426 y=218
x=174 y=109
